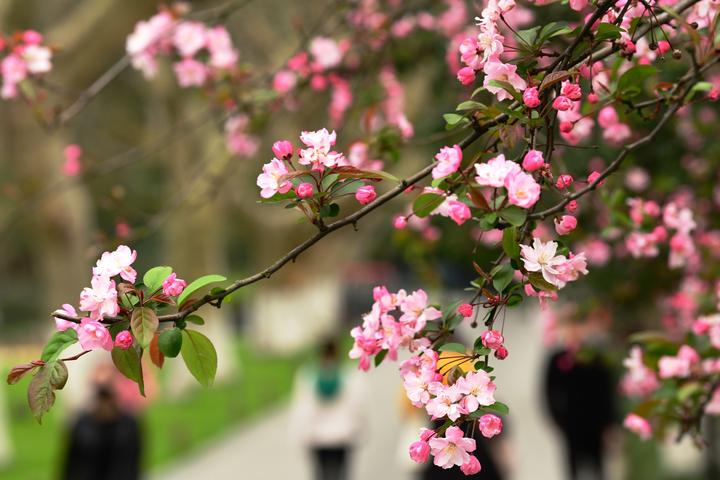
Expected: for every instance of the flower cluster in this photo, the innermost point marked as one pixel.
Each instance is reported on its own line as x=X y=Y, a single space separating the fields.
x=24 y=56
x=522 y=189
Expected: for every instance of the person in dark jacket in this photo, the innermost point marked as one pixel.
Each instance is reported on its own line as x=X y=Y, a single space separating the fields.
x=104 y=442
x=579 y=393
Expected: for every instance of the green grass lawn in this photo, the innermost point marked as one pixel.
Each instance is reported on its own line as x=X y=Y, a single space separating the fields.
x=171 y=428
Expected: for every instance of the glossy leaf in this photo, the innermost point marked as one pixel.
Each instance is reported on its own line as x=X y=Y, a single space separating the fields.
x=41 y=392
x=170 y=341
x=57 y=343
x=510 y=243
x=632 y=81
x=154 y=277
x=426 y=203
x=199 y=356
x=515 y=216
x=156 y=355
x=128 y=362
x=198 y=284
x=144 y=323
x=503 y=277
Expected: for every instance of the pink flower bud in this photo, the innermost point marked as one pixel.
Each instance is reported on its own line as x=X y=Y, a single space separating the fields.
x=501 y=353
x=663 y=47
x=594 y=176
x=426 y=433
x=659 y=233
x=593 y=97
x=531 y=98
x=459 y=212
x=607 y=117
x=571 y=91
x=578 y=5
x=564 y=181
x=572 y=206
x=365 y=194
x=533 y=160
x=471 y=467
x=318 y=82
x=492 y=339
x=714 y=94
x=466 y=75
x=466 y=310
x=628 y=47
x=530 y=290
x=304 y=190
x=566 y=127
x=283 y=149
x=490 y=425
x=400 y=222
x=31 y=37
x=124 y=340
x=419 y=451
x=173 y=286
x=565 y=225
x=562 y=103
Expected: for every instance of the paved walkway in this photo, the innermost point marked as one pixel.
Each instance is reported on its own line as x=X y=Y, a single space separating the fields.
x=263 y=450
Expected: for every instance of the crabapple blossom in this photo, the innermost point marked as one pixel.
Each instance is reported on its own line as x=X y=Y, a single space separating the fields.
x=504 y=72
x=117 y=263
x=562 y=103
x=448 y=161
x=531 y=98
x=189 y=38
x=541 y=258
x=173 y=286
x=465 y=309
x=100 y=298
x=305 y=190
x=62 y=324
x=282 y=149
x=490 y=425
x=564 y=181
x=522 y=189
x=318 y=153
x=400 y=222
x=36 y=58
x=72 y=166
x=565 y=224
x=452 y=449
x=93 y=335
x=533 y=160
x=446 y=401
x=458 y=211
x=124 y=340
x=638 y=425
x=478 y=390
x=326 y=52
x=419 y=451
x=571 y=91
x=466 y=75
x=501 y=353
x=639 y=380
x=272 y=181
x=471 y=467
x=365 y=194
x=492 y=339
x=494 y=172
x=190 y=73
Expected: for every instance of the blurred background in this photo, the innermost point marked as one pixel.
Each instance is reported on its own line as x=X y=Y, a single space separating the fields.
x=157 y=176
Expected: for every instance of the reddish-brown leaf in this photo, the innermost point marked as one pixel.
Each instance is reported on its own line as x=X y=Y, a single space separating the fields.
x=156 y=355
x=20 y=371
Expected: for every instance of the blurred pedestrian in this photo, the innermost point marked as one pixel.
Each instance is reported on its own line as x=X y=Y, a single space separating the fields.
x=327 y=413
x=104 y=441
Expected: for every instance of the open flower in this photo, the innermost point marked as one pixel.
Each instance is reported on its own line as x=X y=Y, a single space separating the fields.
x=271 y=180
x=452 y=449
x=541 y=258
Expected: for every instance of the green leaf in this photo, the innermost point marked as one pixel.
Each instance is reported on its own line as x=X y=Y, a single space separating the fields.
x=508 y=88
x=127 y=361
x=528 y=36
x=57 y=343
x=154 y=277
x=503 y=277
x=498 y=407
x=198 y=284
x=199 y=356
x=328 y=180
x=41 y=391
x=553 y=29
x=515 y=216
x=453 y=347
x=632 y=81
x=537 y=281
x=607 y=31
x=426 y=203
x=453 y=120
x=144 y=323
x=514 y=299
x=380 y=357
x=331 y=210
x=510 y=243
x=470 y=105
x=196 y=319
x=170 y=341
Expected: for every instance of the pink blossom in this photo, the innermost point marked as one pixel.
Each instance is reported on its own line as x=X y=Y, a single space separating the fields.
x=416 y=311
x=565 y=225
x=36 y=58
x=478 y=389
x=284 y=81
x=466 y=75
x=222 y=53
x=571 y=206
x=326 y=52
x=124 y=340
x=564 y=181
x=571 y=91
x=31 y=37
x=359 y=157
x=282 y=149
x=504 y=72
x=93 y=335
x=319 y=154
x=680 y=219
x=446 y=401
x=72 y=166
x=271 y=181
x=593 y=97
x=562 y=103
x=501 y=353
x=62 y=324
x=305 y=190
x=578 y=5
x=673 y=367
x=531 y=98
x=452 y=449
x=458 y=211
x=173 y=286
x=713 y=406
x=419 y=451
x=365 y=194
x=533 y=160
x=639 y=380
x=492 y=339
x=117 y=263
x=238 y=141
x=523 y=190
x=490 y=425
x=607 y=117
x=471 y=55
x=189 y=38
x=190 y=73
x=494 y=172
x=466 y=310
x=617 y=133
x=638 y=425
x=571 y=269
x=471 y=467
x=448 y=159
x=13 y=71
x=594 y=176
x=100 y=299
x=400 y=222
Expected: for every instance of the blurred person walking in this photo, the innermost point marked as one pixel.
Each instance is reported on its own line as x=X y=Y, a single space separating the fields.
x=104 y=441
x=327 y=413
x=579 y=392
